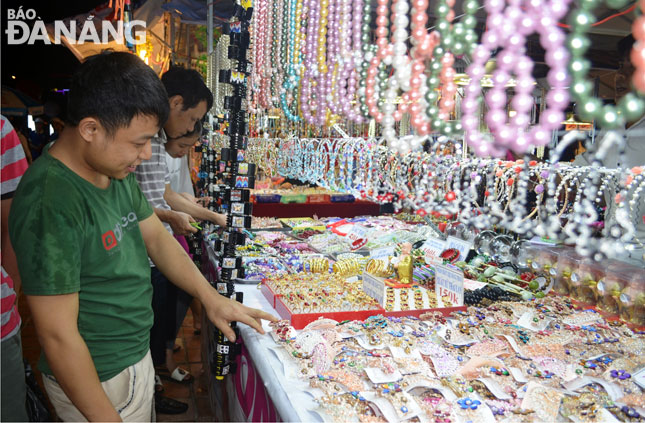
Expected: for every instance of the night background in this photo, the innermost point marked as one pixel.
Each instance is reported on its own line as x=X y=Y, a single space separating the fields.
x=39 y=69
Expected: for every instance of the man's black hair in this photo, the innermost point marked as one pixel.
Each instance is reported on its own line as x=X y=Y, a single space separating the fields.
x=197 y=130
x=114 y=87
x=188 y=84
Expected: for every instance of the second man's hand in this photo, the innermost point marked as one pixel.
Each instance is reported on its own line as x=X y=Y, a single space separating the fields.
x=182 y=223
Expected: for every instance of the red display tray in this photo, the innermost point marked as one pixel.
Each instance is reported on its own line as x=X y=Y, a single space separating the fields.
x=446 y=311
x=299 y=321
x=268 y=294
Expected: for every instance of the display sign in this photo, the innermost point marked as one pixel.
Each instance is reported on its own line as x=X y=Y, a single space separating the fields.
x=460 y=245
x=639 y=378
x=374 y=287
x=358 y=236
x=382 y=253
x=433 y=246
x=449 y=282
x=433 y=260
x=472 y=285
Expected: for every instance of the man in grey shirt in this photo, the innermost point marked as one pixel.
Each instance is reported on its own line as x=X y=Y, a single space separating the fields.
x=189 y=100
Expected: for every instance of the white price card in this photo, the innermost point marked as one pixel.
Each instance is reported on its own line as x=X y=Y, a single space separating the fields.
x=358 y=236
x=433 y=246
x=639 y=377
x=432 y=260
x=382 y=253
x=378 y=376
x=449 y=281
x=460 y=245
x=472 y=285
x=374 y=287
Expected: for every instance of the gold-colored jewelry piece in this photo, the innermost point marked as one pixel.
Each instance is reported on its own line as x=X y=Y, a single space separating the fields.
x=379 y=268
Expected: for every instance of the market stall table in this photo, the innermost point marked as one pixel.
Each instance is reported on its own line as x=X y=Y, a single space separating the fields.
x=357 y=208
x=261 y=389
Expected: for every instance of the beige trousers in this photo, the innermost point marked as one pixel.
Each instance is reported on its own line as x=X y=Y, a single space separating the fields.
x=131 y=392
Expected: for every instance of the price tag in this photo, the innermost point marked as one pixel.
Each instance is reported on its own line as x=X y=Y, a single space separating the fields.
x=460 y=245
x=495 y=388
x=432 y=260
x=378 y=376
x=472 y=285
x=382 y=253
x=449 y=281
x=433 y=246
x=374 y=287
x=639 y=377
x=527 y=321
x=358 y=236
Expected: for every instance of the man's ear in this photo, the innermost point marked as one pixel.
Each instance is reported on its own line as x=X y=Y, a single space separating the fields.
x=89 y=128
x=176 y=102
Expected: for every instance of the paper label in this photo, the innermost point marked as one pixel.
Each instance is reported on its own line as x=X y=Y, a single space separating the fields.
x=362 y=341
x=431 y=384
x=358 y=236
x=639 y=378
x=602 y=416
x=527 y=322
x=374 y=287
x=460 y=245
x=391 y=413
x=495 y=388
x=399 y=353
x=449 y=281
x=378 y=376
x=513 y=343
x=455 y=341
x=432 y=260
x=614 y=391
x=433 y=246
x=518 y=375
x=544 y=401
x=382 y=253
x=472 y=285
x=482 y=414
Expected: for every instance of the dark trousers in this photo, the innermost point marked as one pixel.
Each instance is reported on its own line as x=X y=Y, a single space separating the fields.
x=164 y=305
x=169 y=305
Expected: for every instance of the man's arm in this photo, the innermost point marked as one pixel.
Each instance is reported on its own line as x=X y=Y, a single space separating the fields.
x=178 y=221
x=202 y=201
x=174 y=263
x=55 y=318
x=180 y=203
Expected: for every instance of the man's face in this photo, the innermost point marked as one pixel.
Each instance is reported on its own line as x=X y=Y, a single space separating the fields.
x=180 y=121
x=179 y=147
x=118 y=155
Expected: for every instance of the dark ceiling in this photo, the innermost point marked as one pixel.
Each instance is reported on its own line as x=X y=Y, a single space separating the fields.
x=39 y=68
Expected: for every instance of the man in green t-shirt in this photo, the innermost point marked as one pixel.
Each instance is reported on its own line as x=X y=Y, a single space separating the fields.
x=82 y=231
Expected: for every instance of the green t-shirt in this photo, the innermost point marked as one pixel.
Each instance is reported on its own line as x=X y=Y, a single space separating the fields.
x=70 y=236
